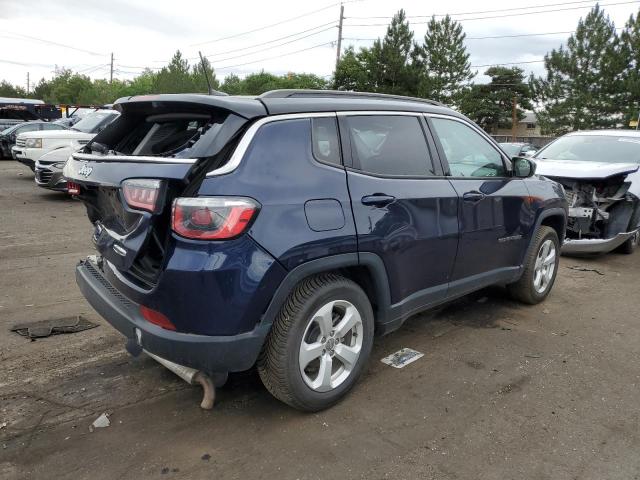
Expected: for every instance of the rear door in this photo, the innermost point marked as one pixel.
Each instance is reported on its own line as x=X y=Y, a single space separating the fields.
x=492 y=226
x=405 y=210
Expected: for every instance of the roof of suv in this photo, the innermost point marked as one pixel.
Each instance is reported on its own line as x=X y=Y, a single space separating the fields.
x=278 y=102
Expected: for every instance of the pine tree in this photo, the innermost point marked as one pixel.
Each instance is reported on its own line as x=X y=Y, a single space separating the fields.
x=630 y=51
x=490 y=105
x=350 y=72
x=442 y=62
x=395 y=51
x=583 y=85
x=175 y=77
x=200 y=80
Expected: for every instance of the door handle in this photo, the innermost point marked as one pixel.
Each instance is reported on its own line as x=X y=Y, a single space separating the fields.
x=473 y=196
x=377 y=200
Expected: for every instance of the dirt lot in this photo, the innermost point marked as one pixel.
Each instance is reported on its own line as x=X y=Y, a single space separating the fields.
x=503 y=391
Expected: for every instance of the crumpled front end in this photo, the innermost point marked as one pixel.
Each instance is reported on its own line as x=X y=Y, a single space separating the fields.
x=603 y=214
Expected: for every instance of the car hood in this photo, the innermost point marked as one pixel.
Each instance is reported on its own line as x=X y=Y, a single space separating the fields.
x=582 y=170
x=59 y=135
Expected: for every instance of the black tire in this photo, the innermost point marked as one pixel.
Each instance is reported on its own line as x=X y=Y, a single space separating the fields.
x=629 y=246
x=524 y=289
x=279 y=363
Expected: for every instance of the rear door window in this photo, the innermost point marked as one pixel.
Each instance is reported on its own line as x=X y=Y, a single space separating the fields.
x=389 y=145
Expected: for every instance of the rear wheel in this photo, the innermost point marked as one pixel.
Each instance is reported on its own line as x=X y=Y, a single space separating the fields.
x=630 y=245
x=319 y=343
x=540 y=268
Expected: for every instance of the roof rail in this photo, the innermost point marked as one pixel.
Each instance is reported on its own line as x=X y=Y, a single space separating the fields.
x=304 y=93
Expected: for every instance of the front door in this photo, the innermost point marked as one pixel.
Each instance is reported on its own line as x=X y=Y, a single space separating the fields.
x=405 y=210
x=492 y=235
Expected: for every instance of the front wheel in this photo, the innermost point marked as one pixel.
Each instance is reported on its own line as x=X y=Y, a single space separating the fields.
x=540 y=268
x=319 y=343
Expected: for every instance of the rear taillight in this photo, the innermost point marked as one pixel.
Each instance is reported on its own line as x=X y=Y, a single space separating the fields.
x=212 y=218
x=142 y=193
x=73 y=188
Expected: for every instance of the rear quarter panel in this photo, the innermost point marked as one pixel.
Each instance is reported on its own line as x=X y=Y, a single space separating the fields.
x=280 y=172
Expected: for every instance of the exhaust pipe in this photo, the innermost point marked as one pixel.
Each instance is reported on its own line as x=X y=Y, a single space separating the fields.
x=192 y=377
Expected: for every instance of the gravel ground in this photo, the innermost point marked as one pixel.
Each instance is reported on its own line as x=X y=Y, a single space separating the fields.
x=504 y=391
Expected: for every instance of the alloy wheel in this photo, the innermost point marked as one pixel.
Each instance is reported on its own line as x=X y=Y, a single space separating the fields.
x=545 y=266
x=331 y=345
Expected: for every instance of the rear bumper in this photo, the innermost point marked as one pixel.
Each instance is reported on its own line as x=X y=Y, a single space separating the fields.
x=211 y=354
x=596 y=245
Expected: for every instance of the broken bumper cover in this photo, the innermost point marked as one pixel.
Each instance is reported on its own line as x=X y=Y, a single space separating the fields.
x=596 y=245
x=211 y=354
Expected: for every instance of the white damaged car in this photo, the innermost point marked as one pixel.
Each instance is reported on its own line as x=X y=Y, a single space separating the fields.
x=599 y=172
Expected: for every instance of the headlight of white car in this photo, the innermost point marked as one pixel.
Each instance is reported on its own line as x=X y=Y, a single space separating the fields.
x=33 y=143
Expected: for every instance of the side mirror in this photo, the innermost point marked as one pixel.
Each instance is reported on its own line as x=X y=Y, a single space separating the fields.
x=523 y=167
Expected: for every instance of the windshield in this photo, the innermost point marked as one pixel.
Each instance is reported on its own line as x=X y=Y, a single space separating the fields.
x=511 y=149
x=593 y=148
x=91 y=121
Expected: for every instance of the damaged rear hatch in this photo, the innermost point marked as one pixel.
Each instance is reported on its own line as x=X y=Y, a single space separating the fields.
x=158 y=149
x=599 y=173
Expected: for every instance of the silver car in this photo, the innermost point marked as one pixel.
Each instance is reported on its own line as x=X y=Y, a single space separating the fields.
x=48 y=169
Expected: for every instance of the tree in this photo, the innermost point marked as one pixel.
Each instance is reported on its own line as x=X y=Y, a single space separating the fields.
x=175 y=77
x=384 y=67
x=395 y=52
x=490 y=105
x=8 y=90
x=630 y=51
x=441 y=63
x=261 y=82
x=350 y=73
x=200 y=80
x=583 y=85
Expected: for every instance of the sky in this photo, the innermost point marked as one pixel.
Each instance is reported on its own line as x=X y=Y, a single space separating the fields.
x=279 y=36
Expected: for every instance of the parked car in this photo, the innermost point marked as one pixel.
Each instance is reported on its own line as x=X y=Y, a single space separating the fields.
x=599 y=172
x=48 y=169
x=519 y=149
x=234 y=230
x=31 y=146
x=9 y=135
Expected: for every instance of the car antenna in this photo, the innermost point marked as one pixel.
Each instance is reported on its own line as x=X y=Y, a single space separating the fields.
x=206 y=75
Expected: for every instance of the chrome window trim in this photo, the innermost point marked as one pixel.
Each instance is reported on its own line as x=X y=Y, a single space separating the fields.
x=247 y=138
x=130 y=158
x=379 y=112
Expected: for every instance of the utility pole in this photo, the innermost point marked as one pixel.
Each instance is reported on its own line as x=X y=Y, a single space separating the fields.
x=514 y=118
x=339 y=35
x=111 y=70
x=28 y=83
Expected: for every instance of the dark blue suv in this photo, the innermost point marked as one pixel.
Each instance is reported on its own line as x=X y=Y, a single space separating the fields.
x=284 y=230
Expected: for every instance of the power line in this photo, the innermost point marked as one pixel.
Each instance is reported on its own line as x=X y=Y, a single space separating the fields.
x=502 y=16
x=266 y=26
x=57 y=44
x=267 y=42
x=23 y=64
x=485 y=11
x=276 y=56
x=272 y=47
